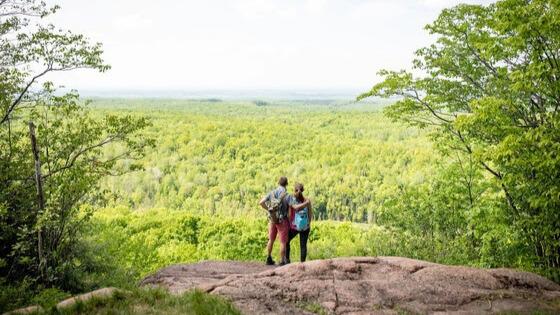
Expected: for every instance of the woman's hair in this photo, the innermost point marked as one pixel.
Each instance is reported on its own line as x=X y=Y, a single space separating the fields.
x=299 y=186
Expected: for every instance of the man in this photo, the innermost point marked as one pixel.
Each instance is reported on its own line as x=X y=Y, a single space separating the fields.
x=279 y=225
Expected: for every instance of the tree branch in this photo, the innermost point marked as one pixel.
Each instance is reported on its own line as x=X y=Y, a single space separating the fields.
x=425 y=104
x=72 y=159
x=477 y=55
x=497 y=174
x=22 y=94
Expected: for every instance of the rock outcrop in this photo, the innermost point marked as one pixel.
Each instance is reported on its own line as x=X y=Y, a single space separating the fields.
x=100 y=294
x=34 y=309
x=364 y=285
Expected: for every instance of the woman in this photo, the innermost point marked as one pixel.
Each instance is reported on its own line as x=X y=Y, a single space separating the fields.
x=300 y=222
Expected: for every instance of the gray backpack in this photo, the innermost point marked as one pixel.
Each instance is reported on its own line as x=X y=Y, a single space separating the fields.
x=275 y=207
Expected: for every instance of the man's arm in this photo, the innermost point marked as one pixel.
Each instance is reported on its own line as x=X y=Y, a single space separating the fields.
x=263 y=201
x=301 y=205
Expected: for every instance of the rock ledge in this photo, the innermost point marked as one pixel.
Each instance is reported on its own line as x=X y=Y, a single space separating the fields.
x=364 y=285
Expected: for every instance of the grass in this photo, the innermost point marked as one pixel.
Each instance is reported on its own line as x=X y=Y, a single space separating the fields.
x=314 y=308
x=151 y=301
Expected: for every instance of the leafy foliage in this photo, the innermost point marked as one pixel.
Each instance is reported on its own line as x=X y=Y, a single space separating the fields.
x=145 y=241
x=41 y=194
x=490 y=91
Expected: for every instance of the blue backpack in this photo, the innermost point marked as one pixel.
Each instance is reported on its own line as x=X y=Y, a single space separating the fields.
x=301 y=220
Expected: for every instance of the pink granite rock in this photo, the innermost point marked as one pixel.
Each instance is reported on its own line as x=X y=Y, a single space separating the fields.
x=364 y=285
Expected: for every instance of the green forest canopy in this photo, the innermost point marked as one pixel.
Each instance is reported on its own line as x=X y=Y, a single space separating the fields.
x=220 y=158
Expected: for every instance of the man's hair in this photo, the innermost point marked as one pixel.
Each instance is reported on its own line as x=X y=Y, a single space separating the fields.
x=299 y=186
x=283 y=181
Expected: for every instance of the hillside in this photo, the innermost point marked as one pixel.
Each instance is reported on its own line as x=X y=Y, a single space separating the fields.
x=364 y=285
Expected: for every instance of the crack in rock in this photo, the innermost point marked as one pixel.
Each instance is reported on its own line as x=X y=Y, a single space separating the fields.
x=335 y=293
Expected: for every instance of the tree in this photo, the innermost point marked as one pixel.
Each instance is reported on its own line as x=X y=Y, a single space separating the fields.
x=491 y=90
x=51 y=145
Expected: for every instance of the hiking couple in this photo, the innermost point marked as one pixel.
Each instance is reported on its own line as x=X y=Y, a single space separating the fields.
x=289 y=215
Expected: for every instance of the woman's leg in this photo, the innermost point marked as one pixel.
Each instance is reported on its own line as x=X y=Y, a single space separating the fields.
x=291 y=235
x=303 y=236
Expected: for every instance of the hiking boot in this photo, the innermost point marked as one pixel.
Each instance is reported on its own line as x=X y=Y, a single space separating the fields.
x=284 y=262
x=269 y=261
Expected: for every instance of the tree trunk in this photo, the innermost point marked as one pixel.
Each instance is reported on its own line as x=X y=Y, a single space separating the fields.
x=40 y=197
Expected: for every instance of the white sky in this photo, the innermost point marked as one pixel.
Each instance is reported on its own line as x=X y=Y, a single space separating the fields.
x=247 y=44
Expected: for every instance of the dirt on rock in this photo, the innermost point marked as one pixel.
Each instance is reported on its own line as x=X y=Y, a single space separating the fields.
x=364 y=285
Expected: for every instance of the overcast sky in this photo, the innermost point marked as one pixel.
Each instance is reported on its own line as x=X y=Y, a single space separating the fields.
x=247 y=44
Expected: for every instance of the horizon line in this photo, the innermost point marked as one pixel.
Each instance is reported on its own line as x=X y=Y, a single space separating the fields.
x=223 y=93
